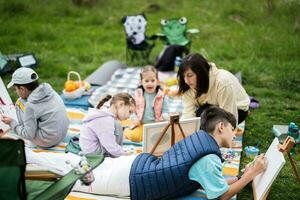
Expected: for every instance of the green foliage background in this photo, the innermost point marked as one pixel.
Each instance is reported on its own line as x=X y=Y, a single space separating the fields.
x=259 y=38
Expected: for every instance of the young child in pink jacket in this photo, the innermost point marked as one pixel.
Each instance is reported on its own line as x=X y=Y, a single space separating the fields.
x=101 y=131
x=151 y=104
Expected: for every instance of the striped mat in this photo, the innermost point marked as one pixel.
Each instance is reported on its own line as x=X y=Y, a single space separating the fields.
x=230 y=167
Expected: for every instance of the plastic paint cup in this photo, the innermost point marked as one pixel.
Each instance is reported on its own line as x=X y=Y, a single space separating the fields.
x=251 y=151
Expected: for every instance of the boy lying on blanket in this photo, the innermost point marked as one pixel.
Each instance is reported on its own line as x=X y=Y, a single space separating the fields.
x=191 y=163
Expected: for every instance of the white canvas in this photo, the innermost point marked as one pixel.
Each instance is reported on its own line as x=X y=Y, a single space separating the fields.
x=263 y=181
x=6 y=106
x=152 y=132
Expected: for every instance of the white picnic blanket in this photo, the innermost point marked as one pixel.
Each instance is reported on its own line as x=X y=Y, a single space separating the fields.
x=127 y=80
x=58 y=163
x=111 y=176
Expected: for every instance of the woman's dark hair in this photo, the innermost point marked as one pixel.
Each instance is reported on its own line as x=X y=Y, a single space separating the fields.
x=125 y=97
x=29 y=86
x=212 y=116
x=198 y=64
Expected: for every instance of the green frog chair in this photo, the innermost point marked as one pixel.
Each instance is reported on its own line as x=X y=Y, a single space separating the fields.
x=175 y=32
x=177 y=39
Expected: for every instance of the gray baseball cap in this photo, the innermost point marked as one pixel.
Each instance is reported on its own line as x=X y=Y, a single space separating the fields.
x=23 y=75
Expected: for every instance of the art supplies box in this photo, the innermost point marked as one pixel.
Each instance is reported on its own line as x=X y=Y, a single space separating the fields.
x=281 y=131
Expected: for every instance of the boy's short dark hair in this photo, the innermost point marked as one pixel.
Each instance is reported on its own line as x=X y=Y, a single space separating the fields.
x=29 y=86
x=212 y=116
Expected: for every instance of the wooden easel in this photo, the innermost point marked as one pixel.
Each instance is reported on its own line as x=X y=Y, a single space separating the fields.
x=286 y=147
x=174 y=120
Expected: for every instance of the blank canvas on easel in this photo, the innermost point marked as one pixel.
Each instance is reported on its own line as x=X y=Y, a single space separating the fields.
x=152 y=132
x=262 y=183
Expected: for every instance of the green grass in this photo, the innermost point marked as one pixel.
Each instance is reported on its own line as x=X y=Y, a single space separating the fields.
x=242 y=35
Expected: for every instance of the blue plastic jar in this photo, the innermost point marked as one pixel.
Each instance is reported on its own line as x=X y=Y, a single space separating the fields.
x=251 y=151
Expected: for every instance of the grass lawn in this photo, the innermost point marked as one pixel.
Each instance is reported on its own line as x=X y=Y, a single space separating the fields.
x=262 y=40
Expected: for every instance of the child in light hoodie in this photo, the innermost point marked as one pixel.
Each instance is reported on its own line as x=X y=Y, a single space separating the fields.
x=42 y=116
x=101 y=131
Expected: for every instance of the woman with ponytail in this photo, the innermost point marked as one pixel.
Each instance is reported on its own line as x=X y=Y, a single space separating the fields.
x=101 y=131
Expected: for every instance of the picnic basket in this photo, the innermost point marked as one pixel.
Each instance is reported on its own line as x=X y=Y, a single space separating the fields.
x=78 y=92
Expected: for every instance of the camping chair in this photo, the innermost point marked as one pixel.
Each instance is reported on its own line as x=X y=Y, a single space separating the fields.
x=177 y=39
x=175 y=32
x=138 y=45
x=12 y=170
x=9 y=63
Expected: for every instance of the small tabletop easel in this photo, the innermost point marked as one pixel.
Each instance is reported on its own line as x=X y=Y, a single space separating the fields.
x=286 y=147
x=174 y=120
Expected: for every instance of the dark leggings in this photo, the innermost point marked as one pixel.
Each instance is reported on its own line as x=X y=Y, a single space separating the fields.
x=242 y=115
x=166 y=62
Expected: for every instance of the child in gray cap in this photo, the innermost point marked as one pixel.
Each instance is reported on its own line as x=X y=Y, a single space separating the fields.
x=42 y=116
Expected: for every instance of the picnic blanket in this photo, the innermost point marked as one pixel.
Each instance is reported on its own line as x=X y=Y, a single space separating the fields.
x=230 y=167
x=127 y=80
x=76 y=115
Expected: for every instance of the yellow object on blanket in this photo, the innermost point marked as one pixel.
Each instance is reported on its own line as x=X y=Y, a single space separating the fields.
x=72 y=115
x=171 y=81
x=136 y=134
